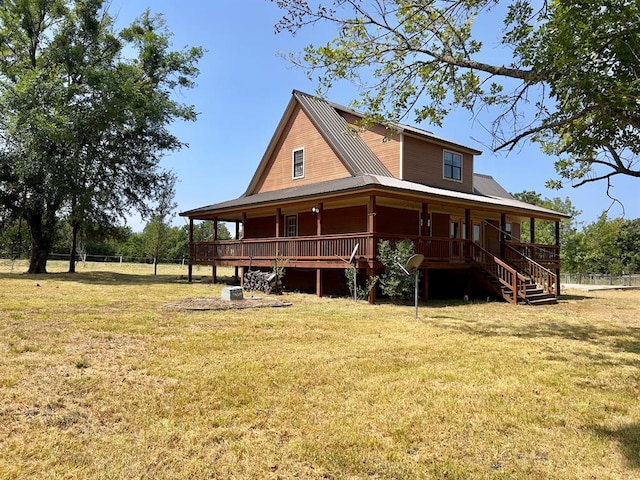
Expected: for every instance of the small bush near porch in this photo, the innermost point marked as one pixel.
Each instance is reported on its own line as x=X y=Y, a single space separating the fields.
x=98 y=380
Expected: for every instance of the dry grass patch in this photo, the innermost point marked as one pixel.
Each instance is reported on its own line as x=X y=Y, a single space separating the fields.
x=98 y=380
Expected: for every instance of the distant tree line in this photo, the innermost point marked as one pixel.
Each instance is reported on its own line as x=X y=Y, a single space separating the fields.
x=158 y=240
x=605 y=246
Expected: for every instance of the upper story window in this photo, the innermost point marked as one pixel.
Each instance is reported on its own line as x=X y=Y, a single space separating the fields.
x=298 y=163
x=452 y=166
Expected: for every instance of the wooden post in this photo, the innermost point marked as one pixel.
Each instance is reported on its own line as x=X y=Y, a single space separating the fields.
x=371 y=227
x=503 y=225
x=319 y=282
x=278 y=215
x=244 y=223
x=558 y=259
x=532 y=230
x=468 y=232
x=191 y=249
x=425 y=220
x=214 y=274
x=372 y=293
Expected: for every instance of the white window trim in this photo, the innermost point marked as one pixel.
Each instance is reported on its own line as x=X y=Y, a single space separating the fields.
x=461 y=166
x=286 y=224
x=293 y=163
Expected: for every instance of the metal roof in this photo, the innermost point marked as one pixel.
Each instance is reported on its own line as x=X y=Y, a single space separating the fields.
x=349 y=184
x=486 y=185
x=349 y=146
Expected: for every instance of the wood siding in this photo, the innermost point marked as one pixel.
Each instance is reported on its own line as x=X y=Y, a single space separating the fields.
x=260 y=227
x=397 y=220
x=439 y=225
x=386 y=149
x=423 y=163
x=320 y=161
x=345 y=220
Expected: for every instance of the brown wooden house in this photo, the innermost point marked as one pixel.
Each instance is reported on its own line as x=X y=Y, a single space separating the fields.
x=324 y=186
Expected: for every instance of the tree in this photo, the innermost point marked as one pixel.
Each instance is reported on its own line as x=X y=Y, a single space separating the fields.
x=157 y=239
x=84 y=127
x=628 y=243
x=571 y=83
x=395 y=282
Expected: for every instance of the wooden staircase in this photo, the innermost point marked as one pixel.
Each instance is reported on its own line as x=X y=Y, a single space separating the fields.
x=529 y=284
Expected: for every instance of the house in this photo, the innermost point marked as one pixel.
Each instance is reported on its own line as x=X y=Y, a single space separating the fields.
x=324 y=187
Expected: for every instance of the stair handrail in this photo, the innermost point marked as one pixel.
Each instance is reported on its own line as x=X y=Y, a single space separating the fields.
x=544 y=277
x=509 y=234
x=503 y=272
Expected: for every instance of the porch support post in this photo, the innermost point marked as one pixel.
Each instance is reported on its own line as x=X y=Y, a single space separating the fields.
x=468 y=231
x=424 y=231
x=244 y=223
x=278 y=215
x=532 y=230
x=372 y=293
x=318 y=282
x=214 y=269
x=371 y=227
x=558 y=259
x=191 y=249
x=237 y=238
x=503 y=226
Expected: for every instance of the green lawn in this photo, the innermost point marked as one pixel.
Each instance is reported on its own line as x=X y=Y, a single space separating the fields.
x=99 y=381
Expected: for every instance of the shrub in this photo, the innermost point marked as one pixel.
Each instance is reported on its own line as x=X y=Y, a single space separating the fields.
x=395 y=283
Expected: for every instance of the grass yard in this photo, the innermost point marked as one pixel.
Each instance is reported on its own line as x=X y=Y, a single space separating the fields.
x=99 y=381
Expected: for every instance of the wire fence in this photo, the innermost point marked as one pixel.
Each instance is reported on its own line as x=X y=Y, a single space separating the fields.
x=600 y=279
x=107 y=259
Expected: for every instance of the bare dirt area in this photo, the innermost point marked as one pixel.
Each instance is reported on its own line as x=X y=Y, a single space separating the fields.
x=212 y=303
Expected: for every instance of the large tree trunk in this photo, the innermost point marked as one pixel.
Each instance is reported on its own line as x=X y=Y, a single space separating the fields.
x=75 y=226
x=41 y=228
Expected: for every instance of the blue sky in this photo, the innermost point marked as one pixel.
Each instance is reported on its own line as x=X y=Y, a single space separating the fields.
x=244 y=87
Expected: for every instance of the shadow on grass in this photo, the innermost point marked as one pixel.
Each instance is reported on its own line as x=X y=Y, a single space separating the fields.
x=628 y=439
x=116 y=278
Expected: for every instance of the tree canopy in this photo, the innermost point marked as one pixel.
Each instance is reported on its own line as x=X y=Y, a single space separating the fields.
x=86 y=112
x=571 y=81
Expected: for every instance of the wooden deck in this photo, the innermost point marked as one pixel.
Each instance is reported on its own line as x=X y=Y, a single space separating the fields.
x=330 y=251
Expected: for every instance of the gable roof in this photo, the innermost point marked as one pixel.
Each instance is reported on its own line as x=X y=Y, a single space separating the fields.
x=350 y=148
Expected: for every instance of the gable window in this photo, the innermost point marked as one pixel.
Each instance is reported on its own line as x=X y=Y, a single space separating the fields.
x=452 y=166
x=291 y=221
x=298 y=163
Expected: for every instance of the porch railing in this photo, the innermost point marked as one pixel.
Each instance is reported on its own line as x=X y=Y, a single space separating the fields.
x=508 y=276
x=322 y=247
x=539 y=274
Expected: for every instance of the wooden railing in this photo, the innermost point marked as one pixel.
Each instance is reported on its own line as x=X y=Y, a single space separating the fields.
x=539 y=274
x=323 y=247
x=546 y=255
x=501 y=271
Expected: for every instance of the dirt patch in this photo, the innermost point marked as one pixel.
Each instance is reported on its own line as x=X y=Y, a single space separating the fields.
x=220 y=304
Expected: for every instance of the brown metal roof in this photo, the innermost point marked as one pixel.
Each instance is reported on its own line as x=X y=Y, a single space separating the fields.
x=486 y=185
x=351 y=184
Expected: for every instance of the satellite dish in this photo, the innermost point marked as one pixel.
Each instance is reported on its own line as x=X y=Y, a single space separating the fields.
x=353 y=254
x=414 y=263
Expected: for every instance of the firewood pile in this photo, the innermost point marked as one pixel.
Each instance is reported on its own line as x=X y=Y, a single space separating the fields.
x=265 y=282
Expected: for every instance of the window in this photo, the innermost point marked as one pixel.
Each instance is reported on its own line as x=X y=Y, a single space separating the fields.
x=507 y=232
x=476 y=232
x=453 y=230
x=298 y=163
x=453 y=166
x=291 y=222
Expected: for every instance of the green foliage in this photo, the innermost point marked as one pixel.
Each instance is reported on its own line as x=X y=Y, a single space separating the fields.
x=394 y=282
x=571 y=83
x=362 y=292
x=85 y=117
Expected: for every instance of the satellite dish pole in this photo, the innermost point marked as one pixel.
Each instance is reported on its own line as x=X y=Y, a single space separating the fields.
x=412 y=268
x=354 y=261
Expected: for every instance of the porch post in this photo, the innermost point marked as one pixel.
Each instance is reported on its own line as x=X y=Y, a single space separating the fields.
x=214 y=269
x=373 y=247
x=424 y=231
x=319 y=249
x=244 y=223
x=191 y=249
x=371 y=225
x=468 y=227
x=532 y=230
x=278 y=215
x=558 y=259
x=237 y=238
x=503 y=225
x=372 y=293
